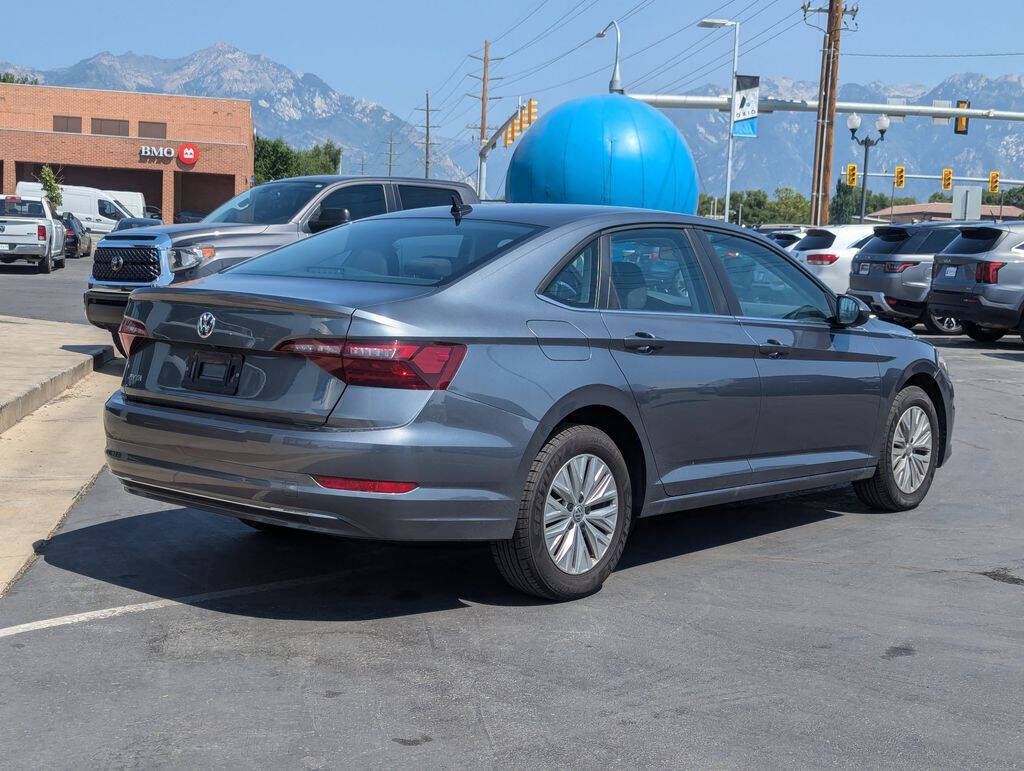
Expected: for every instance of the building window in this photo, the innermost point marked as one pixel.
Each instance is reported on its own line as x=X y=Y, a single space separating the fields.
x=117 y=128
x=152 y=130
x=67 y=124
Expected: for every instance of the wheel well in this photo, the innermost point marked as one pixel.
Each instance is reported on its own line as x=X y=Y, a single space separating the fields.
x=621 y=431
x=927 y=384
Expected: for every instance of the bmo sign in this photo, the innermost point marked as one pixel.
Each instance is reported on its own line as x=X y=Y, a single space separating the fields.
x=187 y=153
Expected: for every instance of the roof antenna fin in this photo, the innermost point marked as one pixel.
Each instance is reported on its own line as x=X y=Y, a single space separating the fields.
x=459 y=209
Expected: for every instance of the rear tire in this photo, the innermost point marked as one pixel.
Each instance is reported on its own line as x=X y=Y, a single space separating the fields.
x=894 y=486
x=45 y=265
x=117 y=345
x=982 y=334
x=581 y=535
x=942 y=325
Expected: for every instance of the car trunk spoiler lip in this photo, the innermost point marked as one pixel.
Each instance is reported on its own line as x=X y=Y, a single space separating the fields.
x=222 y=298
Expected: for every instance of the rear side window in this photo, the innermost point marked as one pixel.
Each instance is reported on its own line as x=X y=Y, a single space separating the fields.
x=655 y=270
x=418 y=250
x=815 y=239
x=974 y=241
x=936 y=240
x=862 y=243
x=417 y=197
x=576 y=283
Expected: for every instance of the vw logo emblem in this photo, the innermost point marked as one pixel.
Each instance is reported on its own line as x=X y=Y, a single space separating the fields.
x=116 y=262
x=206 y=324
x=2 y=228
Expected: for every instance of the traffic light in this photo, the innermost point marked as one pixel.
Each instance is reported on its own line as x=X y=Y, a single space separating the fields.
x=960 y=123
x=993 y=181
x=509 y=138
x=947 y=179
x=900 y=177
x=851 y=175
x=531 y=111
x=521 y=123
x=513 y=127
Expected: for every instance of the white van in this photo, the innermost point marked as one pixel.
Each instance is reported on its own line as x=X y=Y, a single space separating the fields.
x=95 y=208
x=129 y=199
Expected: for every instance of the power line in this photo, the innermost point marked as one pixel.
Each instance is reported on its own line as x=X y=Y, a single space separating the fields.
x=933 y=56
x=565 y=18
x=539 y=5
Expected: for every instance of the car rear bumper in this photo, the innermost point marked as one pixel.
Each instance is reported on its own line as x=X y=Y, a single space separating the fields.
x=105 y=309
x=24 y=251
x=975 y=308
x=888 y=307
x=469 y=486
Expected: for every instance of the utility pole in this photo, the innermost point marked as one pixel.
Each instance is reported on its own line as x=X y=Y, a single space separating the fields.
x=362 y=166
x=485 y=80
x=828 y=86
x=391 y=152
x=341 y=159
x=426 y=142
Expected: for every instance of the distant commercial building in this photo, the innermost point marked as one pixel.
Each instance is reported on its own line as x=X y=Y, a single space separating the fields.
x=183 y=153
x=927 y=212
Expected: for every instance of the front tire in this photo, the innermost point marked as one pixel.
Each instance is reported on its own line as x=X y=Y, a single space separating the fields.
x=982 y=334
x=908 y=457
x=573 y=520
x=942 y=325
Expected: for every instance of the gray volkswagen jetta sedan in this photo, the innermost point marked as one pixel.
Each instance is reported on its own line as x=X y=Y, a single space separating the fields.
x=538 y=376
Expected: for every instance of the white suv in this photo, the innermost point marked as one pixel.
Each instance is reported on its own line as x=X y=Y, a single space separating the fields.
x=827 y=252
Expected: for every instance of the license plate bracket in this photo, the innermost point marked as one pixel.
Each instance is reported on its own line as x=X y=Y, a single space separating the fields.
x=865 y=268
x=951 y=271
x=215 y=372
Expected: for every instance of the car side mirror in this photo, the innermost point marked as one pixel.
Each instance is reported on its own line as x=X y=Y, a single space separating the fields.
x=850 y=312
x=329 y=218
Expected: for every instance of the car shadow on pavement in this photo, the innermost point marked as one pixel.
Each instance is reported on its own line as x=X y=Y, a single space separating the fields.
x=183 y=554
x=18 y=268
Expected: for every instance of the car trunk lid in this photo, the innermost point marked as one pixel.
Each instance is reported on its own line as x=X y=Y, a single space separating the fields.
x=212 y=348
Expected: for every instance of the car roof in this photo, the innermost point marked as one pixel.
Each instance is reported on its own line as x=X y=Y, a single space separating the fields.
x=558 y=214
x=330 y=179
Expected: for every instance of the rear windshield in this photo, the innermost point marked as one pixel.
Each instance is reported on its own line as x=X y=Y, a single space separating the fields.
x=815 y=239
x=271 y=204
x=974 y=241
x=893 y=242
x=12 y=208
x=418 y=250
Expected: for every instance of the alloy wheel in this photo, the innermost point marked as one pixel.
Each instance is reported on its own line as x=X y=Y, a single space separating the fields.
x=911 y=451
x=946 y=324
x=580 y=513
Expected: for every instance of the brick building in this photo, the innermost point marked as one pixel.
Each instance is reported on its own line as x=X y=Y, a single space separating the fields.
x=183 y=153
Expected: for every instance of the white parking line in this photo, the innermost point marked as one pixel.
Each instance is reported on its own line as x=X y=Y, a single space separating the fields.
x=96 y=615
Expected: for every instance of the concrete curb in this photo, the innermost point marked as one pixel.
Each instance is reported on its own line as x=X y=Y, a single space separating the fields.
x=23 y=404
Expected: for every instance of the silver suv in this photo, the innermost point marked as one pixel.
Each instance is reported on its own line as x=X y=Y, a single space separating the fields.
x=979 y=278
x=892 y=273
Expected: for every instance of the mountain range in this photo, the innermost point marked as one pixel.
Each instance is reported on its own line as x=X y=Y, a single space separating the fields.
x=302 y=109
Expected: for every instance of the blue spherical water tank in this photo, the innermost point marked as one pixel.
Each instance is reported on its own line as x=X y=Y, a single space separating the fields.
x=606 y=149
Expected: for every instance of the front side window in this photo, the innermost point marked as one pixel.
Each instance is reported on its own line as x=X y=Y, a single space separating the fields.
x=766 y=284
x=418 y=250
x=108 y=210
x=576 y=283
x=360 y=201
x=656 y=270
x=420 y=196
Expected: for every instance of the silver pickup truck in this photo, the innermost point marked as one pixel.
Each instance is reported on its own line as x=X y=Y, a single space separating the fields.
x=29 y=231
x=256 y=221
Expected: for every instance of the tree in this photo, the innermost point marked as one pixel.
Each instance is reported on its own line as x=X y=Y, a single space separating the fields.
x=10 y=77
x=51 y=187
x=790 y=206
x=275 y=159
x=319 y=159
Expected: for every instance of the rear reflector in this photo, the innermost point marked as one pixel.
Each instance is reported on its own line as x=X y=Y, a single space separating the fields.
x=365 y=485
x=395 y=364
x=821 y=259
x=130 y=331
x=898 y=267
x=988 y=272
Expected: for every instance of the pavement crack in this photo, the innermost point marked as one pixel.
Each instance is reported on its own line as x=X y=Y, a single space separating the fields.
x=1003 y=575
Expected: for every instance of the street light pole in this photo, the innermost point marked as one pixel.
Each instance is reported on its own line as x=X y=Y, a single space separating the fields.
x=717 y=24
x=615 y=85
x=882 y=125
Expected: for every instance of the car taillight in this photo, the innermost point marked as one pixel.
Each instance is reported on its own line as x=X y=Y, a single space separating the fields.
x=899 y=267
x=41 y=232
x=988 y=272
x=364 y=485
x=821 y=259
x=396 y=364
x=130 y=331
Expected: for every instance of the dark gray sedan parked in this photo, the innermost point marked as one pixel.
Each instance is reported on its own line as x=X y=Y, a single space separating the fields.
x=534 y=375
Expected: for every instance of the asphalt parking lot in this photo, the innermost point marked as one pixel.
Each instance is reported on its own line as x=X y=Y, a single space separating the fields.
x=56 y=296
x=804 y=631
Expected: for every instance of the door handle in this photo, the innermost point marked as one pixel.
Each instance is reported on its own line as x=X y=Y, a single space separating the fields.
x=773 y=349
x=642 y=342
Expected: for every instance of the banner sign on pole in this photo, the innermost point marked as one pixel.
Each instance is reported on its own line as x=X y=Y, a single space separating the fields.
x=744 y=113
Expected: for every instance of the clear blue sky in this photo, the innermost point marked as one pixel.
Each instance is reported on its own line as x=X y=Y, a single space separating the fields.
x=391 y=51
